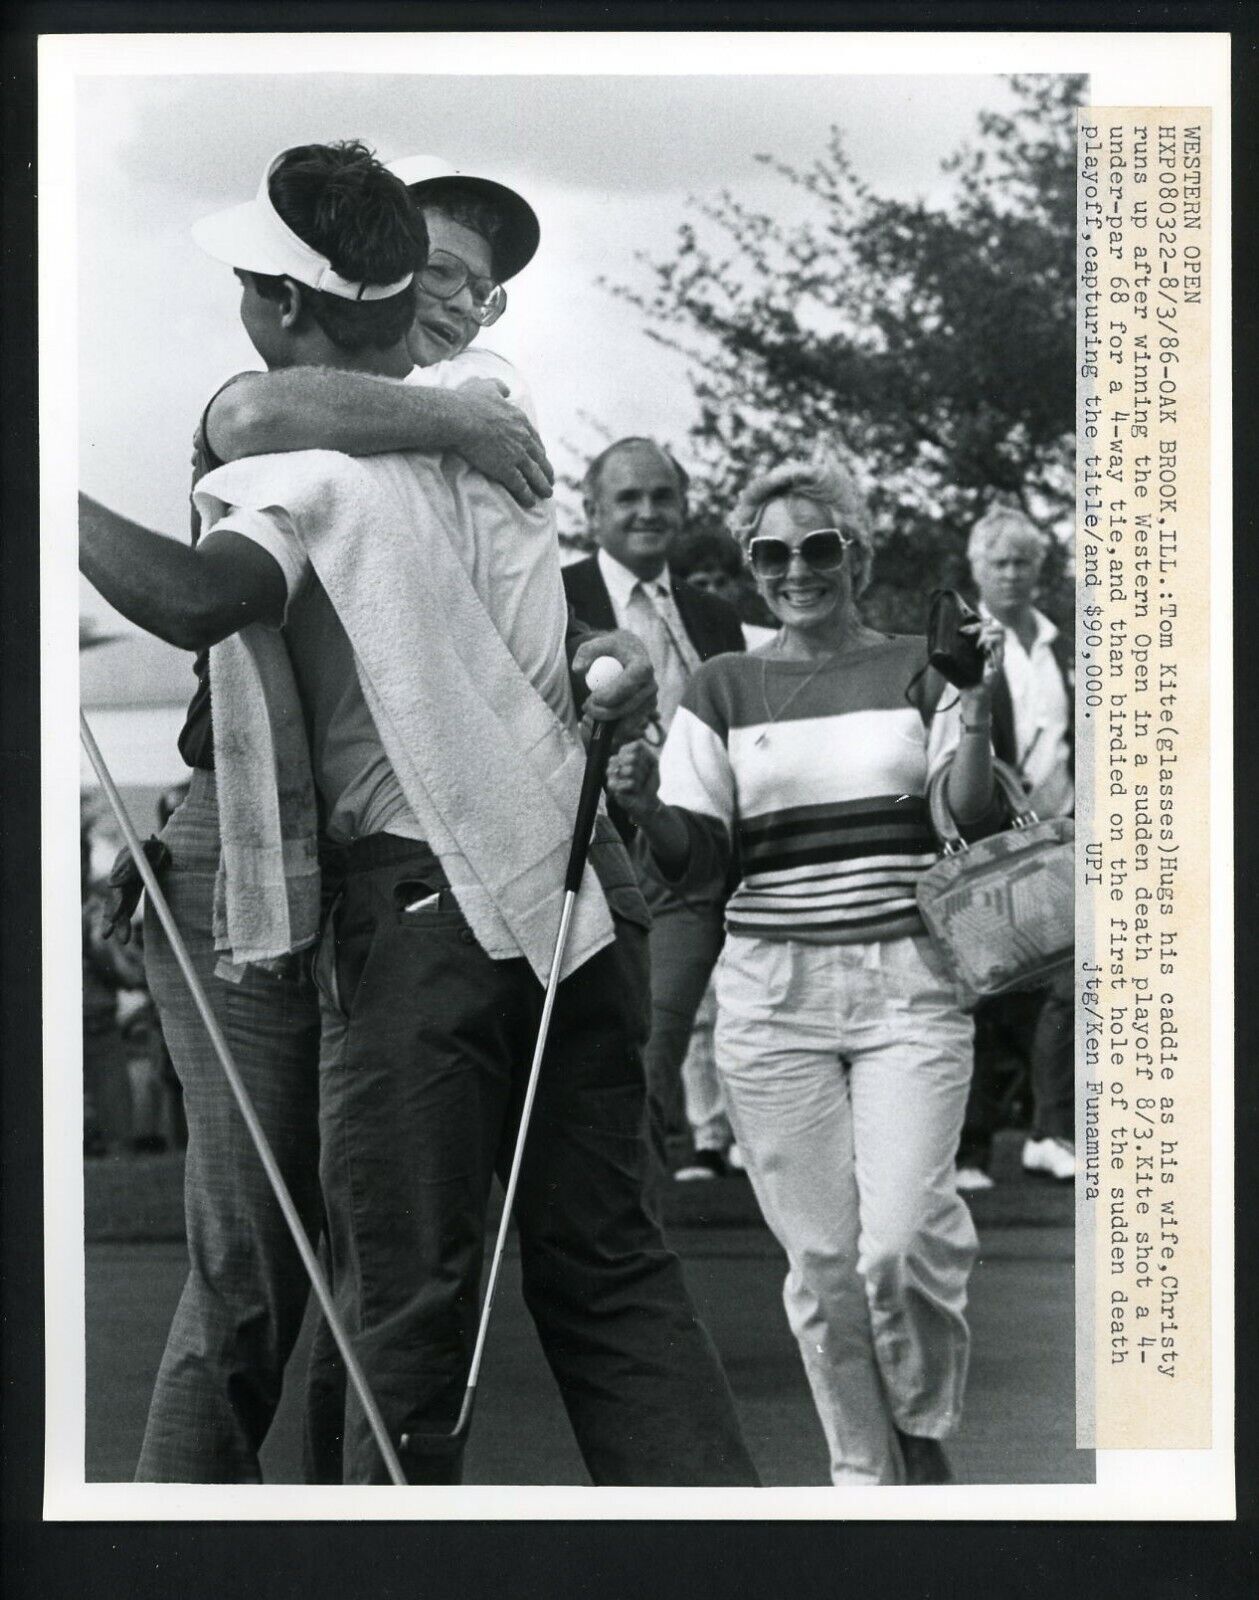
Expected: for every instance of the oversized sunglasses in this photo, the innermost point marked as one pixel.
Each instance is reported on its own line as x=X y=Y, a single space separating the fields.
x=823 y=550
x=443 y=275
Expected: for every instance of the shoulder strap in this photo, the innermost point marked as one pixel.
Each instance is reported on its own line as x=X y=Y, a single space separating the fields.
x=942 y=821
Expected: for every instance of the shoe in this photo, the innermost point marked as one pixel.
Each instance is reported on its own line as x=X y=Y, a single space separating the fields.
x=925 y=1460
x=970 y=1180
x=703 y=1165
x=1050 y=1158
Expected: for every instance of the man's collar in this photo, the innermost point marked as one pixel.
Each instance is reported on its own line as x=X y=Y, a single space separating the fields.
x=621 y=582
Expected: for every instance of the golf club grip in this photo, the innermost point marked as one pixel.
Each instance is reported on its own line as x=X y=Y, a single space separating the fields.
x=600 y=748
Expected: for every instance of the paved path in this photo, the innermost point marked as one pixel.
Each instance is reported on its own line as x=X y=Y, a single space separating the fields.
x=1020 y=1412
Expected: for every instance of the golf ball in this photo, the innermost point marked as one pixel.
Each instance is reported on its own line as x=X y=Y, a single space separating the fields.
x=602 y=673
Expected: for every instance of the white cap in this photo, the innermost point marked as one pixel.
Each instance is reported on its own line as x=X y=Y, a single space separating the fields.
x=255 y=238
x=515 y=245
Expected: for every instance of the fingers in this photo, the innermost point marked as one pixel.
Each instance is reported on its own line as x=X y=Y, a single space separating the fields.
x=626 y=729
x=620 y=644
x=992 y=641
x=632 y=696
x=633 y=776
x=635 y=671
x=540 y=462
x=536 y=478
x=519 y=488
x=500 y=441
x=630 y=768
x=634 y=701
x=533 y=447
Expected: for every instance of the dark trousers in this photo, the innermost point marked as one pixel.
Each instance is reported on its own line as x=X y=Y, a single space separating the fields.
x=685 y=944
x=1023 y=1042
x=427 y=1049
x=685 y=941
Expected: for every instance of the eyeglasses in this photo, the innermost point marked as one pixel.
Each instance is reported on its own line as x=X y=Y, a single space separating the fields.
x=823 y=550
x=443 y=275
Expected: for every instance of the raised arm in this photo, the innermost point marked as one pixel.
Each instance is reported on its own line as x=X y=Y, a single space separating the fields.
x=189 y=597
x=322 y=408
x=971 y=781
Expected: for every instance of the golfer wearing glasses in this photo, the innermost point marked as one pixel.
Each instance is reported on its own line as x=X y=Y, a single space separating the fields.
x=843 y=1052
x=429 y=980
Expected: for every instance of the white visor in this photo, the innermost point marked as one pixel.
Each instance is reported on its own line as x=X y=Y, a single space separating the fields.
x=255 y=238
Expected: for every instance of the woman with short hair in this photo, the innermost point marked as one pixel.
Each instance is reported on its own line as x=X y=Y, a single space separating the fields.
x=842 y=1048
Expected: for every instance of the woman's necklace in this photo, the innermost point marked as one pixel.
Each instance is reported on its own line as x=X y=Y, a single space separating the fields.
x=771 y=716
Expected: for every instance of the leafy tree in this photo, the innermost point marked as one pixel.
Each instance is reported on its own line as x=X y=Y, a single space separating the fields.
x=934 y=345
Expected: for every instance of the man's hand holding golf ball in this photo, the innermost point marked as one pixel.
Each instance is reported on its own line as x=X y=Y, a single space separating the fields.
x=627 y=698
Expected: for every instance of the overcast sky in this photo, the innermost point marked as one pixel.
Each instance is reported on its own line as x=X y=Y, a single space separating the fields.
x=607 y=162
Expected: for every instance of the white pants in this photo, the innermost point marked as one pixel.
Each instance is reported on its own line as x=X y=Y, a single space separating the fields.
x=846 y=1070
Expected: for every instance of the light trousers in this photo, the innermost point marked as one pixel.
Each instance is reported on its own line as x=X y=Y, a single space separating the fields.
x=846 y=1070
x=241 y=1309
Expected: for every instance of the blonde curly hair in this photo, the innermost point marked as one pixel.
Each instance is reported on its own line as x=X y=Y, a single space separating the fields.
x=823 y=481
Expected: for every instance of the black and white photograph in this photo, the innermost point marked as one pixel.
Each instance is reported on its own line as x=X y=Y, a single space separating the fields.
x=576 y=693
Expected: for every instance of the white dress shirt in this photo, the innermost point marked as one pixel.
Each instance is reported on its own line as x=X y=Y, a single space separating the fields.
x=1041 y=719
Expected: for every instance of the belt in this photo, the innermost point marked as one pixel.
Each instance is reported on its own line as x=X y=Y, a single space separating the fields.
x=373 y=850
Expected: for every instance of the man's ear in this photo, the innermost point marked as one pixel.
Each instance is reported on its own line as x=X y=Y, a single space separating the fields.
x=290 y=304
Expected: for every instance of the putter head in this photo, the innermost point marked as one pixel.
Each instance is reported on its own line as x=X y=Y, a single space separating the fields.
x=437 y=1457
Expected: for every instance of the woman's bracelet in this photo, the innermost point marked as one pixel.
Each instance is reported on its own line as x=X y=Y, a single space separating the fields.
x=977 y=727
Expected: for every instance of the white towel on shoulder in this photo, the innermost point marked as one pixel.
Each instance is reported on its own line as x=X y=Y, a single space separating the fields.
x=268 y=818
x=489 y=771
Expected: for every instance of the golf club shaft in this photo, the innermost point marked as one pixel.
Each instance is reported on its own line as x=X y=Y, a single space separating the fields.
x=256 y=1133
x=513 y=1177
x=587 y=805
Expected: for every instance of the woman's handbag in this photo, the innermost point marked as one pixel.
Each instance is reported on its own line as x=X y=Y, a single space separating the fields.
x=1001 y=911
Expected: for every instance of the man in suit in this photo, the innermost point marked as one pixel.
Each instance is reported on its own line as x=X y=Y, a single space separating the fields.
x=1033 y=731
x=634 y=494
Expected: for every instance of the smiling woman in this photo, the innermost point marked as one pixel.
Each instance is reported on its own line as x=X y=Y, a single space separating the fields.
x=843 y=1052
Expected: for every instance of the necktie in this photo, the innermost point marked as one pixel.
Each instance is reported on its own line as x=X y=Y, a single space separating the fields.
x=643 y=618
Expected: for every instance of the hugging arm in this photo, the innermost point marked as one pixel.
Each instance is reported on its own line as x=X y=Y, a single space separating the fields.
x=324 y=408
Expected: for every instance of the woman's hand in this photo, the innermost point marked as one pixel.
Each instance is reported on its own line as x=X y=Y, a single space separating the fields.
x=634 y=780
x=990 y=636
x=971 y=780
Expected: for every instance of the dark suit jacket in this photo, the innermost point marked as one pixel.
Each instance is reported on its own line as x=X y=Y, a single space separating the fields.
x=712 y=626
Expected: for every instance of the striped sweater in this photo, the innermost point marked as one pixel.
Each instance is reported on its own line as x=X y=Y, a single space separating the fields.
x=817 y=776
